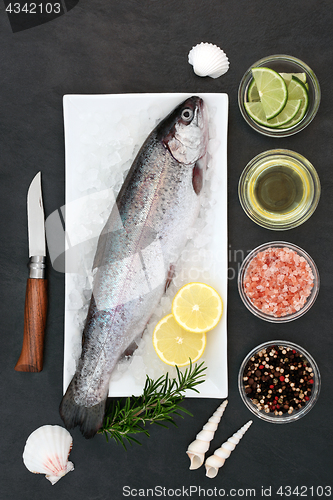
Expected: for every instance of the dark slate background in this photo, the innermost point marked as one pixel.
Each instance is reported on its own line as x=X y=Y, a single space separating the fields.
x=141 y=46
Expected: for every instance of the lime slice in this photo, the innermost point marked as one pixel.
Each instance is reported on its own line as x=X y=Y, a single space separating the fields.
x=288 y=76
x=297 y=90
x=272 y=91
x=252 y=92
x=256 y=111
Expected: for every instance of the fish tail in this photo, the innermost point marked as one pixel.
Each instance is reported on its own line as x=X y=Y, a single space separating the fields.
x=90 y=419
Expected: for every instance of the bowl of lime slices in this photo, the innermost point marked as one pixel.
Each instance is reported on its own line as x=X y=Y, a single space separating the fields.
x=279 y=96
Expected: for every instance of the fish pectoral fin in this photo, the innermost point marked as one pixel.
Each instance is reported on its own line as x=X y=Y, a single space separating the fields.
x=129 y=351
x=197 y=178
x=171 y=273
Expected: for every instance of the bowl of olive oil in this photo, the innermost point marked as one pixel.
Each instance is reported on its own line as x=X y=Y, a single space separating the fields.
x=279 y=189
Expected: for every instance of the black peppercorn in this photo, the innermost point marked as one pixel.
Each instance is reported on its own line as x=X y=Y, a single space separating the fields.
x=284 y=386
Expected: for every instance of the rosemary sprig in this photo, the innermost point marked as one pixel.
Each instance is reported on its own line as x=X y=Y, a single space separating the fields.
x=158 y=404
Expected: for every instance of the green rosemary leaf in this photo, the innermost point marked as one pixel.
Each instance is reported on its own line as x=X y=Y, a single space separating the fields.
x=184 y=410
x=133 y=440
x=161 y=425
x=159 y=402
x=171 y=421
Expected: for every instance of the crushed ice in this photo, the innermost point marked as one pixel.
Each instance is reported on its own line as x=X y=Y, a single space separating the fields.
x=109 y=146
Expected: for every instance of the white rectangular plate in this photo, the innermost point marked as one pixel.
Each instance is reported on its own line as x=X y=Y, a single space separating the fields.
x=102 y=132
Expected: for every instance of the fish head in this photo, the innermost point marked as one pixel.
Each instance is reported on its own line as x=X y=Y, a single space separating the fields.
x=185 y=131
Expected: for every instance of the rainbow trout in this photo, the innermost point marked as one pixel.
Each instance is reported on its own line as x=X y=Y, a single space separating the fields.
x=139 y=245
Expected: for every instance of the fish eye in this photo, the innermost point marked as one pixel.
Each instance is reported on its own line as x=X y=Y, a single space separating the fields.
x=187 y=114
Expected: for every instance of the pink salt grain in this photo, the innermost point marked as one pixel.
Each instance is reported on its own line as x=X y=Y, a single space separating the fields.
x=278 y=281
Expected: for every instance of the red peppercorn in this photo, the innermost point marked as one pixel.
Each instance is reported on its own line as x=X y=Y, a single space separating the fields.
x=278 y=385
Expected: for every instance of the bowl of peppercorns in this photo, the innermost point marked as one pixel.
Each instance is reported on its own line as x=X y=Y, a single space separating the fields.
x=279 y=381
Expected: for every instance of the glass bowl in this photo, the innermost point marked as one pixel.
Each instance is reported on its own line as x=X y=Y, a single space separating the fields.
x=283 y=64
x=279 y=189
x=268 y=316
x=276 y=410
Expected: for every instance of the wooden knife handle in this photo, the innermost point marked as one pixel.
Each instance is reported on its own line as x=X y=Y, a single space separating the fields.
x=31 y=358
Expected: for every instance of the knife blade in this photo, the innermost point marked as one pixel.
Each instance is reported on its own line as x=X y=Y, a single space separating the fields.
x=31 y=357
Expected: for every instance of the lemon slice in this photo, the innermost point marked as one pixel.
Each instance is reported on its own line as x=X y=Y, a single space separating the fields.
x=272 y=90
x=256 y=111
x=197 y=307
x=176 y=346
x=297 y=90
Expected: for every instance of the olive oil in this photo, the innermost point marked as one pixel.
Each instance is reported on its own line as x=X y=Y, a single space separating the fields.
x=279 y=189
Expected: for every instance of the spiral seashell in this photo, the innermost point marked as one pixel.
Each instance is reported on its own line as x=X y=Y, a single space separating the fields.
x=214 y=462
x=47 y=450
x=208 y=60
x=197 y=449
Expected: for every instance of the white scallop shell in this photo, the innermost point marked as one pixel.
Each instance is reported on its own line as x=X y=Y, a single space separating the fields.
x=47 y=450
x=208 y=60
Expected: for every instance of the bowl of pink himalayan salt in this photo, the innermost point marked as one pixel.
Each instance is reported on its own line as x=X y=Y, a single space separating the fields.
x=278 y=282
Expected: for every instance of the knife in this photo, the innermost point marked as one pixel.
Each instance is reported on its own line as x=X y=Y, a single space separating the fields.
x=31 y=358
